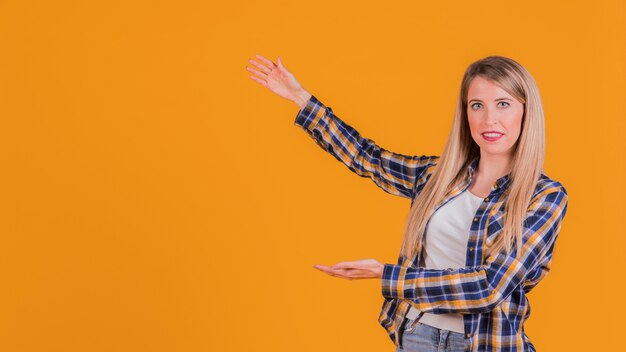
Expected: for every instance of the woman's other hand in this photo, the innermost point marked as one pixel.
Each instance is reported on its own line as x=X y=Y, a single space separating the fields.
x=359 y=269
x=278 y=79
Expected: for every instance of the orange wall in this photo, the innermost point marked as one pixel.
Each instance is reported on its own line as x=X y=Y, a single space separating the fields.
x=154 y=198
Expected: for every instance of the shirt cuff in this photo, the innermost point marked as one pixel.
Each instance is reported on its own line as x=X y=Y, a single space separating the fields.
x=392 y=275
x=307 y=117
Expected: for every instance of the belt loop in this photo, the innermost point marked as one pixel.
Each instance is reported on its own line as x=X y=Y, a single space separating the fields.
x=419 y=316
x=415 y=321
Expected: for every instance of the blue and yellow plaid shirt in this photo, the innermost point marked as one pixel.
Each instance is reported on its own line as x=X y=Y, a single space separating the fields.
x=489 y=292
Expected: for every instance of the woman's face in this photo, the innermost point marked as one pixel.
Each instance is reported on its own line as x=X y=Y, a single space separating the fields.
x=491 y=109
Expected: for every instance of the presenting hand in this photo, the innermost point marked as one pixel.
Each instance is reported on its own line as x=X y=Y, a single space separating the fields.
x=360 y=269
x=278 y=79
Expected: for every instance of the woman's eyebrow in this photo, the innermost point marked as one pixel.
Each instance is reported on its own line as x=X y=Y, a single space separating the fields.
x=503 y=98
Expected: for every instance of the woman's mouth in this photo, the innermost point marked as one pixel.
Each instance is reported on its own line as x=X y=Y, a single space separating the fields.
x=491 y=136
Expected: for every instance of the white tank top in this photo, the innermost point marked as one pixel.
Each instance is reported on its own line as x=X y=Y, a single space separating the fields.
x=445 y=245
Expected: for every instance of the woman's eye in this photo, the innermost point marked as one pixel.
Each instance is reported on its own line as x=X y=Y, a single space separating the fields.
x=473 y=106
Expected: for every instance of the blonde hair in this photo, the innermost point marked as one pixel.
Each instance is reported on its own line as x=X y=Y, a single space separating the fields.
x=460 y=150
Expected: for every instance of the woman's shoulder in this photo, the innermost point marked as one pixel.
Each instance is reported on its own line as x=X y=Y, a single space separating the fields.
x=546 y=184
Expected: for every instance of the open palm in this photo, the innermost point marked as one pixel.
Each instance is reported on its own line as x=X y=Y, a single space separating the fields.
x=358 y=269
x=275 y=77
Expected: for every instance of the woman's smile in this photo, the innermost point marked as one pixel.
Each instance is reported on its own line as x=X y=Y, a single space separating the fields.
x=492 y=136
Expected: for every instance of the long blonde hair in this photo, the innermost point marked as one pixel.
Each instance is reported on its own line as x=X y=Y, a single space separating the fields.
x=460 y=150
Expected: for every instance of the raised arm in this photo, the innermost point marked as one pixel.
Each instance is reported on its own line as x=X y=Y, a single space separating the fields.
x=480 y=289
x=395 y=173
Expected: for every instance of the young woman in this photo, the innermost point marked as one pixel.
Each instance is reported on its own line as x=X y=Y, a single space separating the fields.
x=484 y=217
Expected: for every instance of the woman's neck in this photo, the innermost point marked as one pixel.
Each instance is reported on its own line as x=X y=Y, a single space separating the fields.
x=492 y=167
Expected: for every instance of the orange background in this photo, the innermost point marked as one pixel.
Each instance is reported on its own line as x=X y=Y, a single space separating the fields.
x=154 y=198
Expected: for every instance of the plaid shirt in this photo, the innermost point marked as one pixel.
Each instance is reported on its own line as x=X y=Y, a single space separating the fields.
x=489 y=292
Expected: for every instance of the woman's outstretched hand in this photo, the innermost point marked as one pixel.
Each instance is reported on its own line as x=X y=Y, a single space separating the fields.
x=278 y=79
x=359 y=269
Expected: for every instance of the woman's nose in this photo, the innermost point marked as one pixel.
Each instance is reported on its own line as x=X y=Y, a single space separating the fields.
x=490 y=117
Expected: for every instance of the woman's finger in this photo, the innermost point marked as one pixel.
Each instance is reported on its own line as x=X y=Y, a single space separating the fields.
x=345 y=273
x=262 y=82
x=257 y=73
x=321 y=267
x=331 y=273
x=344 y=265
x=281 y=66
x=329 y=270
x=325 y=269
x=263 y=68
x=351 y=272
x=266 y=61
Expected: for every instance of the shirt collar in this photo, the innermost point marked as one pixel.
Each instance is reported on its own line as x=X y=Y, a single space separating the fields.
x=501 y=183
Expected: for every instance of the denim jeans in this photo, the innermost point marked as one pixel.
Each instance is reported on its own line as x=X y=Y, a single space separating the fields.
x=419 y=337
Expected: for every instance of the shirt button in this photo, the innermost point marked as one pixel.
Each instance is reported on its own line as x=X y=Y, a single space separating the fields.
x=471 y=249
x=467 y=335
x=475 y=219
x=487 y=199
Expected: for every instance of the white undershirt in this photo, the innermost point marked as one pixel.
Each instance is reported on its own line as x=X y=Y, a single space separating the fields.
x=445 y=245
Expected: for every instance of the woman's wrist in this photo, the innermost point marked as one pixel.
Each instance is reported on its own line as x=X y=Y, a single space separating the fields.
x=302 y=98
x=381 y=270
